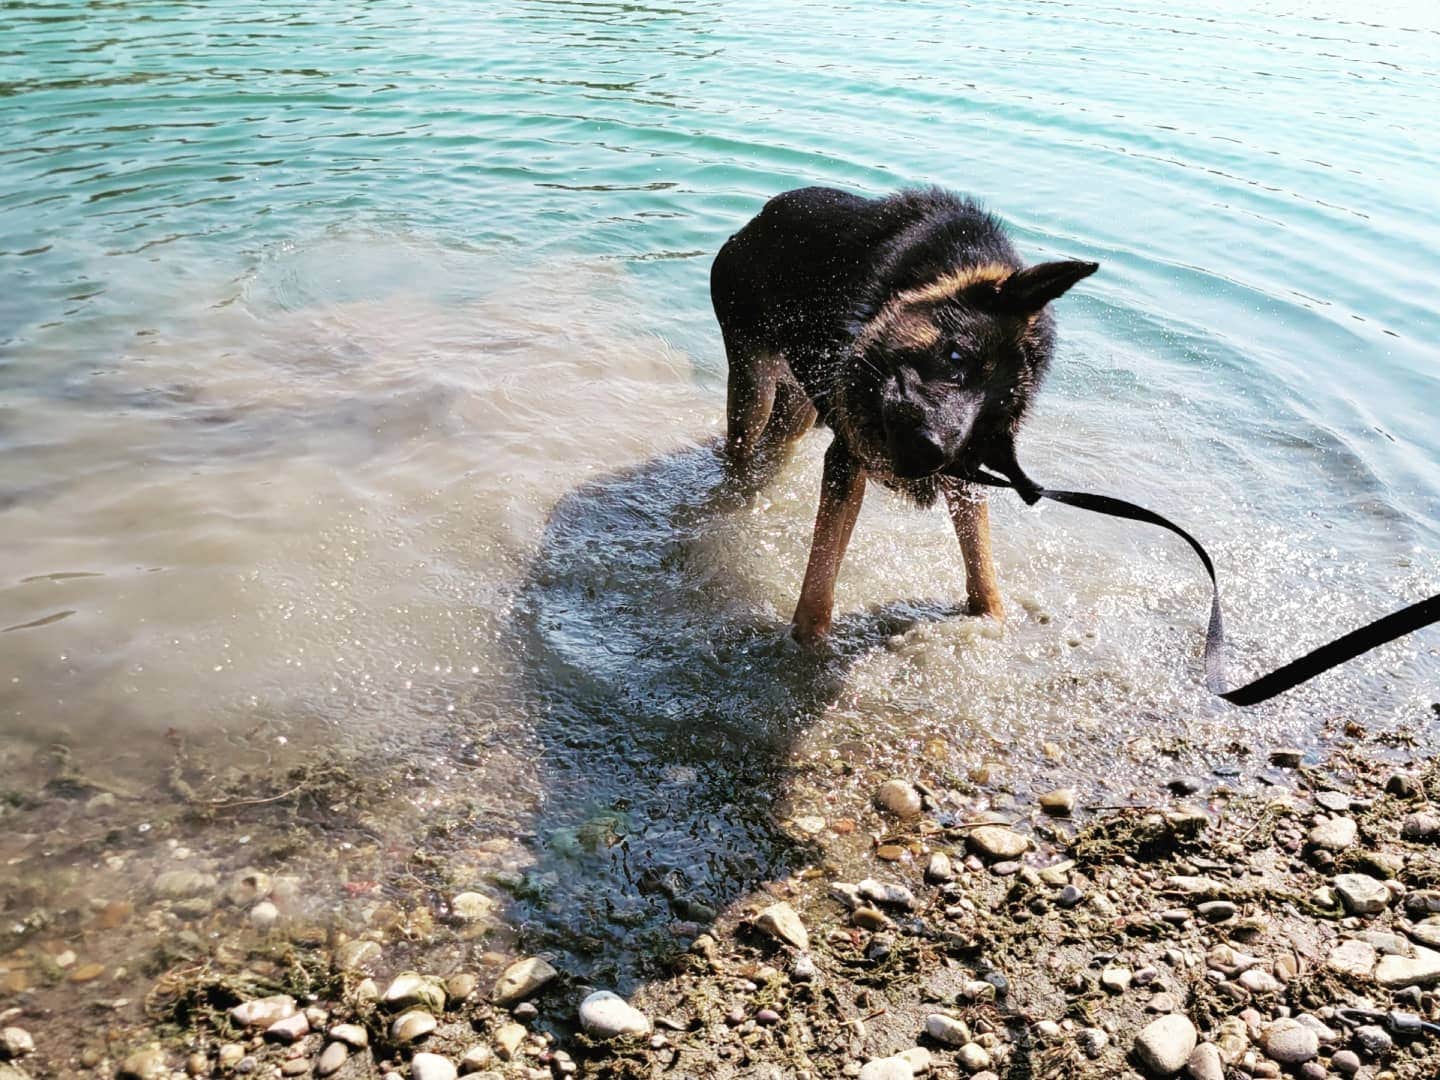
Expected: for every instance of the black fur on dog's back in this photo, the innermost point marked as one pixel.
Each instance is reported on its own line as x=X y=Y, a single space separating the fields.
x=832 y=282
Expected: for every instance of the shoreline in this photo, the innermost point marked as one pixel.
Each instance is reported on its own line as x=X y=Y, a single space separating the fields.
x=926 y=929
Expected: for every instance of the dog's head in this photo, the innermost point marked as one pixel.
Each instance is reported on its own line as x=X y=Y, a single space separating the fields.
x=941 y=369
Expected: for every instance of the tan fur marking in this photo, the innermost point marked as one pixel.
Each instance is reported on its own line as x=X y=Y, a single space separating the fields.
x=956 y=281
x=904 y=324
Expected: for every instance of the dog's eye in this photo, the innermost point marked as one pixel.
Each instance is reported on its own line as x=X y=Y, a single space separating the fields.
x=955 y=356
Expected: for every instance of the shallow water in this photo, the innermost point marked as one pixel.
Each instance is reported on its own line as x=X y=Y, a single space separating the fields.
x=358 y=381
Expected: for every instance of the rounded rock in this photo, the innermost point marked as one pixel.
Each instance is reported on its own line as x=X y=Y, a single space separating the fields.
x=1289 y=1042
x=411 y=988
x=890 y=1068
x=1205 y=1064
x=973 y=1057
x=946 y=1029
x=432 y=1067
x=1345 y=1062
x=415 y=1024
x=1165 y=1045
x=332 y=1058
x=604 y=1015
x=521 y=979
x=1058 y=803
x=898 y=797
x=15 y=1043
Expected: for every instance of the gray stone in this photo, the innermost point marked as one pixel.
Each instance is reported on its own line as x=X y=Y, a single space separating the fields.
x=410 y=988
x=886 y=893
x=939 y=870
x=1069 y=896
x=521 y=979
x=290 y=1029
x=1059 y=803
x=973 y=1057
x=1398 y=972
x=15 y=1043
x=1287 y=757
x=1216 y=910
x=781 y=922
x=994 y=842
x=473 y=907
x=352 y=1035
x=604 y=1015
x=946 y=1029
x=1335 y=801
x=1421 y=826
x=803 y=970
x=919 y=1059
x=412 y=1025
x=1374 y=1041
x=1165 y=1045
x=1092 y=1040
x=262 y=1012
x=1259 y=981
x=147 y=1064
x=1336 y=834
x=1205 y=1064
x=898 y=797
x=889 y=1068
x=431 y=1067
x=1361 y=894
x=1116 y=979
x=1345 y=1062
x=332 y=1058
x=1427 y=931
x=476 y=1058
x=1289 y=1042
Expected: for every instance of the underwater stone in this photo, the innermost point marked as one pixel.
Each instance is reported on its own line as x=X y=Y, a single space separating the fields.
x=898 y=797
x=521 y=979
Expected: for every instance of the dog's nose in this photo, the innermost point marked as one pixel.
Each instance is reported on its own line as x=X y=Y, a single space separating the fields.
x=919 y=453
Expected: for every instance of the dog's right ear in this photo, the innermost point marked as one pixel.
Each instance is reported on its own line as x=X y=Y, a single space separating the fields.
x=1027 y=291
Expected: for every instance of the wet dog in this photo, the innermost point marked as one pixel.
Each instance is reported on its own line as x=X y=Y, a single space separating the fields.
x=906 y=324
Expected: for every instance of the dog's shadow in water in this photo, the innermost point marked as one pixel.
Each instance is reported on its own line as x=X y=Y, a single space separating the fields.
x=666 y=694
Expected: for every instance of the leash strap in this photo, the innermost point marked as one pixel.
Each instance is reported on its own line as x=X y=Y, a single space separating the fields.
x=1397 y=624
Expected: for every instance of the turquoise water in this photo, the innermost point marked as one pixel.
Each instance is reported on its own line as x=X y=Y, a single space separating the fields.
x=261 y=256
x=358 y=377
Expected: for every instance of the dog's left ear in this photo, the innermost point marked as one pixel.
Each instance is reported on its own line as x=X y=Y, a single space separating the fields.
x=1026 y=291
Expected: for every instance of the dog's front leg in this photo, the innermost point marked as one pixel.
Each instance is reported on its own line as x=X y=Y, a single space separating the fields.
x=841 y=491
x=970 y=514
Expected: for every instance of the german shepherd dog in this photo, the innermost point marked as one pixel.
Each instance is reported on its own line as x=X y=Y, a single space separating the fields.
x=907 y=325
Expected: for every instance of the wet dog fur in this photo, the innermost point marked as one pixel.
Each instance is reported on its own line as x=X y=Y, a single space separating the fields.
x=906 y=324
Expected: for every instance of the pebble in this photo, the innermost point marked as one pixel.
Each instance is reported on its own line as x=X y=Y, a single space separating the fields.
x=1398 y=972
x=1373 y=1041
x=431 y=1067
x=973 y=1057
x=178 y=884
x=1312 y=1070
x=767 y=1017
x=262 y=1012
x=521 y=979
x=197 y=1064
x=1259 y=981
x=889 y=1068
x=147 y=1064
x=415 y=1024
x=1216 y=910
x=781 y=922
x=946 y=1029
x=938 y=869
x=410 y=988
x=892 y=853
x=289 y=1030
x=1287 y=757
x=1205 y=1064
x=1336 y=834
x=1093 y=1041
x=352 y=1035
x=1352 y=958
x=472 y=907
x=1069 y=896
x=1427 y=931
x=15 y=1042
x=508 y=1037
x=295 y=1067
x=229 y=1055
x=1289 y=1042
x=1166 y=1044
x=333 y=1057
x=604 y=1015
x=898 y=797
x=264 y=915
x=883 y=893
x=476 y=1058
x=460 y=986
x=803 y=969
x=1345 y=1062
x=1058 y=803
x=919 y=1059
x=1361 y=894
x=1185 y=785
x=997 y=842
x=1116 y=979
x=869 y=918
x=1420 y=826
x=526 y=1011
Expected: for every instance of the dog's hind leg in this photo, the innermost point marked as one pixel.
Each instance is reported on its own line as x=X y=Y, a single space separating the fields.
x=791 y=417
x=841 y=491
x=970 y=514
x=749 y=398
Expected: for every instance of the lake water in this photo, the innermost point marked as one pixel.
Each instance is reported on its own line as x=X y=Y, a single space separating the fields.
x=358 y=377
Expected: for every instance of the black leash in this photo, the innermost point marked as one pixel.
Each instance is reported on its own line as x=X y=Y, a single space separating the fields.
x=1397 y=624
